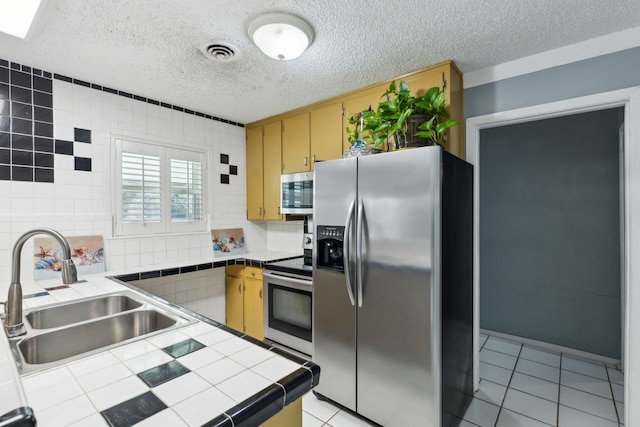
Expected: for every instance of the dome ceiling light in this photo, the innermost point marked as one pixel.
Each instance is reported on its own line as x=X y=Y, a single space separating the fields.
x=280 y=35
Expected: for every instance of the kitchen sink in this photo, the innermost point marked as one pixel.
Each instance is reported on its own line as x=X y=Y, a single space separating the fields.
x=81 y=338
x=75 y=312
x=62 y=333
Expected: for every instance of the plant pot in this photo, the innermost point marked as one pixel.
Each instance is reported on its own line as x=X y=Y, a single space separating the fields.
x=410 y=127
x=360 y=151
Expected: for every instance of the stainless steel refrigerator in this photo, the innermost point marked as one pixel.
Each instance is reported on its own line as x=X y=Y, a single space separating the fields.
x=393 y=298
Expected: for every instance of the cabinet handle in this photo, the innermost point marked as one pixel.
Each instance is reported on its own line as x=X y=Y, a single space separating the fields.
x=260 y=211
x=253 y=273
x=260 y=293
x=279 y=211
x=240 y=289
x=305 y=160
x=313 y=159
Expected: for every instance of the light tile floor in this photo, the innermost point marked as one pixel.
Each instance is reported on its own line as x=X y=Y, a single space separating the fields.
x=520 y=386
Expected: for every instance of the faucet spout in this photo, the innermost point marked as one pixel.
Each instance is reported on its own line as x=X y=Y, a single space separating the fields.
x=14 y=325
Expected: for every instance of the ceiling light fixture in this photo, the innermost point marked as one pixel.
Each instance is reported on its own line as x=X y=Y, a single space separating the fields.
x=281 y=35
x=17 y=16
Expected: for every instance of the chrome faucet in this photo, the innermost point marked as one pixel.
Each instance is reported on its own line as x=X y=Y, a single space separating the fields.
x=13 y=323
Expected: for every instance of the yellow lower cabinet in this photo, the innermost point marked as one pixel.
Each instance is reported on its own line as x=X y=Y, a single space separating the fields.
x=234 y=305
x=290 y=416
x=243 y=300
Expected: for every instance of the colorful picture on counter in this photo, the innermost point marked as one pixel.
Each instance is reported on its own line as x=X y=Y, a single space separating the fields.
x=229 y=241
x=87 y=252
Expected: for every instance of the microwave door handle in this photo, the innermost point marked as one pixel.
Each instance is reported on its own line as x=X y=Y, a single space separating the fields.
x=359 y=221
x=345 y=251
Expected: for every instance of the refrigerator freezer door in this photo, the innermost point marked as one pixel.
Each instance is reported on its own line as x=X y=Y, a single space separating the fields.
x=334 y=315
x=398 y=336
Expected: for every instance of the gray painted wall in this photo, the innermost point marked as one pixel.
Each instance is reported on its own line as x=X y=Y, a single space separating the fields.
x=550 y=232
x=604 y=73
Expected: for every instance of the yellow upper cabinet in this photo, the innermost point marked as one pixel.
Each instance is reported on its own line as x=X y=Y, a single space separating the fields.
x=326 y=133
x=255 y=174
x=272 y=146
x=296 y=156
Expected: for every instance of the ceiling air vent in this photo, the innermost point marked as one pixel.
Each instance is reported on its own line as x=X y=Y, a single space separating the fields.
x=218 y=51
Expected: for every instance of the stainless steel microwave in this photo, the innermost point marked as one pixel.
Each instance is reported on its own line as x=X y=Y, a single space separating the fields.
x=296 y=193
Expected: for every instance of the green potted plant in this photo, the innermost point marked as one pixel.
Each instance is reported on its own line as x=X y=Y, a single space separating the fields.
x=414 y=121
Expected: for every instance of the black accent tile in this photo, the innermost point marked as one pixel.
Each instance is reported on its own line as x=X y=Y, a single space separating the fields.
x=63 y=78
x=233 y=170
x=153 y=102
x=20 y=173
x=42 y=114
x=22 y=158
x=219 y=421
x=150 y=274
x=199 y=114
x=170 y=271
x=44 y=145
x=133 y=410
x=315 y=372
x=64 y=147
x=44 y=160
x=42 y=84
x=188 y=269
x=139 y=98
x=95 y=86
x=164 y=104
x=296 y=384
x=129 y=277
x=5 y=156
x=15 y=66
x=20 y=79
x=189 y=111
x=26 y=69
x=224 y=179
x=109 y=90
x=23 y=111
x=180 y=109
x=4 y=107
x=4 y=91
x=183 y=348
x=259 y=407
x=43 y=99
x=4 y=63
x=23 y=126
x=82 y=164
x=4 y=75
x=81 y=83
x=82 y=135
x=5 y=124
x=47 y=74
x=21 y=94
x=206 y=266
x=219 y=264
x=44 y=175
x=21 y=142
x=5 y=173
x=292 y=357
x=224 y=159
x=5 y=139
x=161 y=374
x=37 y=72
x=43 y=129
x=125 y=94
x=22 y=417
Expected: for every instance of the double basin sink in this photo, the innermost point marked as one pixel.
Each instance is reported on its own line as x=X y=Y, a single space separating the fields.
x=64 y=332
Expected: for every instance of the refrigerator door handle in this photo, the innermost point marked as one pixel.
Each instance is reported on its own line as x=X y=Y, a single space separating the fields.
x=345 y=252
x=359 y=221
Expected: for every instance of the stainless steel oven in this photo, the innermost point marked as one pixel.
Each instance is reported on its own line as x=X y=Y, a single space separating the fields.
x=287 y=309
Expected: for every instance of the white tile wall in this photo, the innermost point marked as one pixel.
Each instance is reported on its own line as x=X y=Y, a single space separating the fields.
x=79 y=203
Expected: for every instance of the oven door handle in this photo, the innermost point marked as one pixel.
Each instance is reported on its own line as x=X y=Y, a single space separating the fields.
x=289 y=278
x=346 y=256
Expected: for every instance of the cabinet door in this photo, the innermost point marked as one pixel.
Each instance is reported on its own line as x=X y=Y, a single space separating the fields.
x=255 y=171
x=234 y=303
x=272 y=149
x=325 y=131
x=295 y=144
x=353 y=105
x=253 y=308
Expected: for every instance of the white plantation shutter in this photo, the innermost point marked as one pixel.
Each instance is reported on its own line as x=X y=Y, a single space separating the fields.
x=158 y=189
x=141 y=190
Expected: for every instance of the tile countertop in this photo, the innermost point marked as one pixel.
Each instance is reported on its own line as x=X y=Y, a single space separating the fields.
x=199 y=374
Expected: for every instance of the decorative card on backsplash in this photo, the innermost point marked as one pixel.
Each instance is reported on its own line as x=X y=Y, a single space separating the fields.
x=87 y=252
x=229 y=241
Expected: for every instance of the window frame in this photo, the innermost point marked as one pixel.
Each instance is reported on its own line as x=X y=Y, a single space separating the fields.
x=166 y=153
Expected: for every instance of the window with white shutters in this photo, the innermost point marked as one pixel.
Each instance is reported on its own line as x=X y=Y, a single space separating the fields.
x=158 y=189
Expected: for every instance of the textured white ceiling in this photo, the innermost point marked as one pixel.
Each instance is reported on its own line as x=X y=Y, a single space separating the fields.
x=150 y=47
